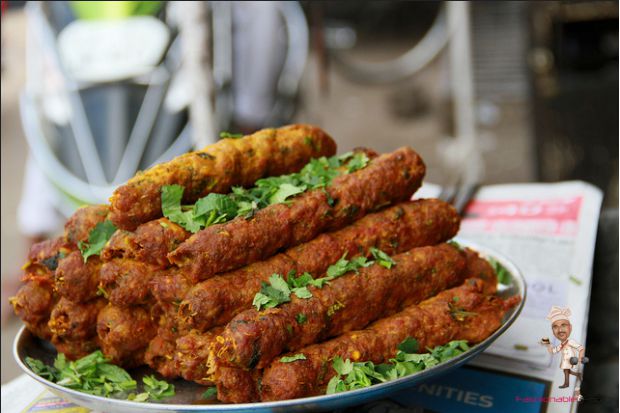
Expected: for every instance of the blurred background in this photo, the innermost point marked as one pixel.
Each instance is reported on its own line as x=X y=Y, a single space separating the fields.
x=487 y=92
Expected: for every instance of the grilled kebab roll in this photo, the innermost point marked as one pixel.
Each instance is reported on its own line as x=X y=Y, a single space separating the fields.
x=35 y=299
x=83 y=220
x=76 y=280
x=191 y=355
x=124 y=333
x=33 y=304
x=471 y=316
x=161 y=350
x=218 y=167
x=170 y=287
x=393 y=230
x=74 y=327
x=127 y=282
x=150 y=243
x=253 y=338
x=43 y=258
x=389 y=178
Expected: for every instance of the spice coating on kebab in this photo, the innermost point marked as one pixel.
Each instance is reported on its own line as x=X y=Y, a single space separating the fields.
x=44 y=257
x=35 y=299
x=74 y=327
x=192 y=353
x=149 y=243
x=83 y=220
x=393 y=230
x=124 y=334
x=218 y=167
x=127 y=282
x=77 y=280
x=461 y=313
x=170 y=286
x=386 y=179
x=33 y=304
x=253 y=338
x=160 y=352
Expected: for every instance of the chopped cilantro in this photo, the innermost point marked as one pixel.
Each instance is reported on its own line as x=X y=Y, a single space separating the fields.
x=210 y=393
x=382 y=258
x=93 y=374
x=102 y=292
x=294 y=357
x=301 y=318
x=171 y=196
x=357 y=375
x=224 y=135
x=343 y=266
x=272 y=294
x=97 y=239
x=358 y=161
x=157 y=389
x=284 y=192
x=218 y=208
x=503 y=276
x=279 y=291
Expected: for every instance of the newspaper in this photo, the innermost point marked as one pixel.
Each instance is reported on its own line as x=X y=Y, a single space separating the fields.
x=549 y=232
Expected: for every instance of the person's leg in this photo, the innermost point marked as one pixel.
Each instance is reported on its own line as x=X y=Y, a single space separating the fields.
x=574 y=373
x=566 y=375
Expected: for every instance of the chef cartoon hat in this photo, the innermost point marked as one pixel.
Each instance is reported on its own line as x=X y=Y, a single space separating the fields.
x=558 y=313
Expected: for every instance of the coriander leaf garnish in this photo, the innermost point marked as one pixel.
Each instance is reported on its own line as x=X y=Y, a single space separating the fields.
x=141 y=397
x=284 y=192
x=102 y=292
x=382 y=258
x=279 y=291
x=241 y=202
x=409 y=345
x=224 y=135
x=358 y=161
x=272 y=294
x=97 y=239
x=171 y=196
x=503 y=276
x=93 y=374
x=294 y=357
x=357 y=375
x=301 y=318
x=41 y=369
x=215 y=208
x=210 y=393
x=157 y=389
x=343 y=266
x=302 y=292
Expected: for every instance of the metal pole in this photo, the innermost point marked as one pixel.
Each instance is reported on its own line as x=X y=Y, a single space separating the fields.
x=461 y=76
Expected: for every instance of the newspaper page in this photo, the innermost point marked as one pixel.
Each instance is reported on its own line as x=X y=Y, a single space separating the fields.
x=549 y=232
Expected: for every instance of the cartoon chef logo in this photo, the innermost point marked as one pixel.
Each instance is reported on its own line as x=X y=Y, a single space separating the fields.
x=572 y=353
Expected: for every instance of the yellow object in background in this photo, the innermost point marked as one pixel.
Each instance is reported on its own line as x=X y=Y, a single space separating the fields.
x=113 y=10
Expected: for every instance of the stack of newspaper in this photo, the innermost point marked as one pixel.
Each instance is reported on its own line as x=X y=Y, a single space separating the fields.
x=549 y=232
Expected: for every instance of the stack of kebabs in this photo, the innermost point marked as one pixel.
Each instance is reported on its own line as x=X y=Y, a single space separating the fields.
x=184 y=303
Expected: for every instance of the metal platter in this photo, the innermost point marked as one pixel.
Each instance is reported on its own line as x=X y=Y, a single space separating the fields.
x=188 y=394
